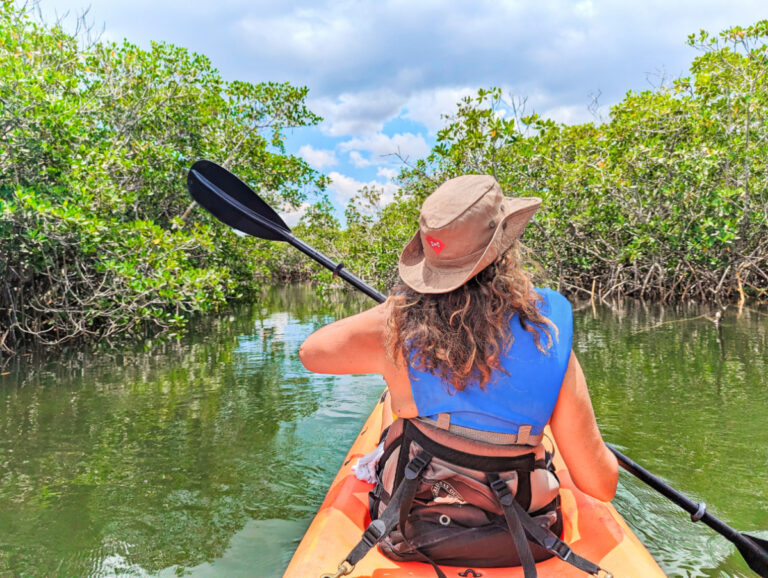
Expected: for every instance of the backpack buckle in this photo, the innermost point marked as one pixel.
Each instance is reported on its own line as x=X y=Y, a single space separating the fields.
x=373 y=533
x=416 y=465
x=558 y=548
x=502 y=491
x=548 y=457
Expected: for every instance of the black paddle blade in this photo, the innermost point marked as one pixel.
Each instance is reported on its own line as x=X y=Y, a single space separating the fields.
x=757 y=557
x=233 y=202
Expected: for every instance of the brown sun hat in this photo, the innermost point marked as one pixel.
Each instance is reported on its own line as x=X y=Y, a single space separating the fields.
x=464 y=225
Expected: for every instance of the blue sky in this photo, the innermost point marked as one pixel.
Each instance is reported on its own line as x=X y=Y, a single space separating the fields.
x=382 y=74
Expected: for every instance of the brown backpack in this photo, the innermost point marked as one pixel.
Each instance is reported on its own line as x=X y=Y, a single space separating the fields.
x=444 y=498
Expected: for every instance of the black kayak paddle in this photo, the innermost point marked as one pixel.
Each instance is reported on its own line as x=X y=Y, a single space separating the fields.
x=235 y=204
x=754 y=550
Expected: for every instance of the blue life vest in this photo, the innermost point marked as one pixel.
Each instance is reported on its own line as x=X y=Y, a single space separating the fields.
x=526 y=396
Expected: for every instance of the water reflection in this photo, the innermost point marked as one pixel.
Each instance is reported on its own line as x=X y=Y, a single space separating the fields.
x=208 y=456
x=687 y=398
x=133 y=462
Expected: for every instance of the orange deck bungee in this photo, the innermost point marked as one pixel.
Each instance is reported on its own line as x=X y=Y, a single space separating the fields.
x=594 y=529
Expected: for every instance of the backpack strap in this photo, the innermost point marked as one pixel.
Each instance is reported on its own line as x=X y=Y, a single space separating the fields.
x=507 y=499
x=518 y=519
x=394 y=514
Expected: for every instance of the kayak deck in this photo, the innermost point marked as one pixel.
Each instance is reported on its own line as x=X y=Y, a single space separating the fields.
x=594 y=529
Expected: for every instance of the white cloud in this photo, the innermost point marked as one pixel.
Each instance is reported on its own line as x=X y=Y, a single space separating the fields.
x=305 y=34
x=292 y=217
x=347 y=187
x=428 y=107
x=359 y=160
x=388 y=174
x=318 y=158
x=385 y=149
x=585 y=8
x=360 y=113
x=569 y=114
x=366 y=48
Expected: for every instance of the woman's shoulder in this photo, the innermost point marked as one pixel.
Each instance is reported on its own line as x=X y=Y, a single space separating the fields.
x=553 y=300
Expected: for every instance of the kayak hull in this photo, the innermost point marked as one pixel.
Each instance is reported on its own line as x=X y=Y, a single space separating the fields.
x=594 y=529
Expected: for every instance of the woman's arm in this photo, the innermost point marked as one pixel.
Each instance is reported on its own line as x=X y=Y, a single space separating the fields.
x=591 y=464
x=354 y=344
x=358 y=344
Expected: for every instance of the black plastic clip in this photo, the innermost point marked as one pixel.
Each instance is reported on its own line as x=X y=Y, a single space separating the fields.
x=470 y=572
x=548 y=457
x=503 y=492
x=416 y=465
x=373 y=533
x=337 y=269
x=558 y=547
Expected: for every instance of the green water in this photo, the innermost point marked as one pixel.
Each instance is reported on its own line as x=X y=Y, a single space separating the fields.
x=208 y=456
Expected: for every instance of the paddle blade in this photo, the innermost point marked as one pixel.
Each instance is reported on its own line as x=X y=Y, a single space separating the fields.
x=757 y=557
x=233 y=202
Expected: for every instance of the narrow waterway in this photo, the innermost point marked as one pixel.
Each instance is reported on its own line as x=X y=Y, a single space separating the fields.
x=209 y=455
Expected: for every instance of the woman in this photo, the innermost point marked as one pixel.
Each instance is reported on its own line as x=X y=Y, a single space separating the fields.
x=467 y=342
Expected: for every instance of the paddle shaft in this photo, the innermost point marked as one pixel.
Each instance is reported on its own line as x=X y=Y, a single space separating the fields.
x=693 y=508
x=337 y=268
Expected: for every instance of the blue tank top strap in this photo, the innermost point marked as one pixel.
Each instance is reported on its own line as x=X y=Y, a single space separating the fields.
x=525 y=396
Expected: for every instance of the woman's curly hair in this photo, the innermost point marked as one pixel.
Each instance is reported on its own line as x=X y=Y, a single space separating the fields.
x=460 y=336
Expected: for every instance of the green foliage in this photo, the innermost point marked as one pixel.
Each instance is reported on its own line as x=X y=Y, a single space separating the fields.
x=97 y=234
x=667 y=199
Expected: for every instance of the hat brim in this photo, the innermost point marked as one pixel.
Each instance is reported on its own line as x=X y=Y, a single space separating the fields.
x=423 y=277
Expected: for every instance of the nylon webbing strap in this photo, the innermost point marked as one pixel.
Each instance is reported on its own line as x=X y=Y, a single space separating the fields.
x=523 y=437
x=413 y=471
x=506 y=499
x=381 y=527
x=547 y=539
x=518 y=519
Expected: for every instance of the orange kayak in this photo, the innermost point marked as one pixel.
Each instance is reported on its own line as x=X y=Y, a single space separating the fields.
x=594 y=529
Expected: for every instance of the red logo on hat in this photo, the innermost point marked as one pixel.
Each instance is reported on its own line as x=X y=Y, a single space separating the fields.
x=436 y=244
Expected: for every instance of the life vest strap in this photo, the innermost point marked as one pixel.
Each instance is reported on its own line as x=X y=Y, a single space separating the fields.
x=522 y=437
